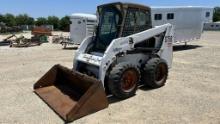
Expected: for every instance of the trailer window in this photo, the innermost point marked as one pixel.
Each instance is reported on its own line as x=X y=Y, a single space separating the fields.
x=170 y=16
x=158 y=17
x=207 y=14
x=92 y=21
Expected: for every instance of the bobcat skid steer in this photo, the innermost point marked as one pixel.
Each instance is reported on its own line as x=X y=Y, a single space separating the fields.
x=125 y=52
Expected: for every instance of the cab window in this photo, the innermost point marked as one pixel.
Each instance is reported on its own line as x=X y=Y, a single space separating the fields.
x=143 y=21
x=136 y=21
x=130 y=23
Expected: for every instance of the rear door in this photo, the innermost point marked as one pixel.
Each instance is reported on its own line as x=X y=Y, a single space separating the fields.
x=78 y=30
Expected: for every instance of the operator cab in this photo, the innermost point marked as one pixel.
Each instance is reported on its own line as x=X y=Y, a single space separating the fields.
x=119 y=20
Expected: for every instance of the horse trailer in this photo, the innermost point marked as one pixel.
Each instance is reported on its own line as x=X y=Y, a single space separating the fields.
x=82 y=25
x=188 y=21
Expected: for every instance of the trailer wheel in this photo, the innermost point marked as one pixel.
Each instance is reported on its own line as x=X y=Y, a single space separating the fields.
x=123 y=80
x=65 y=45
x=155 y=73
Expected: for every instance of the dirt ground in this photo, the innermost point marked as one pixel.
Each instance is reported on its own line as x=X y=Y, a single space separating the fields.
x=191 y=95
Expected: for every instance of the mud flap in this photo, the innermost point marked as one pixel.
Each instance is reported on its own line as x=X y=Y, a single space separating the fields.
x=70 y=94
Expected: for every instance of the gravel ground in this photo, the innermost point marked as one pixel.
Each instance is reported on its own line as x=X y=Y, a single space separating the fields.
x=191 y=95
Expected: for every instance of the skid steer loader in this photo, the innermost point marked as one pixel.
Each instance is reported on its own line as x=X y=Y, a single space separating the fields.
x=125 y=51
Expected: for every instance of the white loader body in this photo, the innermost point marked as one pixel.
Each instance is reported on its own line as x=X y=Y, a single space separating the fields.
x=122 y=45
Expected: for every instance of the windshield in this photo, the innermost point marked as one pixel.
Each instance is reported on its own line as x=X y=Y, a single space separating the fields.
x=108 y=27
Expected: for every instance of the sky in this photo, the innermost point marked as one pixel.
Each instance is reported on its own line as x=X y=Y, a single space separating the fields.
x=60 y=8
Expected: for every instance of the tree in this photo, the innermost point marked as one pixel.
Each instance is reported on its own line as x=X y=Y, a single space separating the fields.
x=64 y=23
x=41 y=21
x=216 y=15
x=9 y=20
x=53 y=20
x=24 y=19
x=30 y=21
x=1 y=18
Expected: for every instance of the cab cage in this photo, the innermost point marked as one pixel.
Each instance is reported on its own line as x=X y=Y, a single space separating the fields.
x=136 y=18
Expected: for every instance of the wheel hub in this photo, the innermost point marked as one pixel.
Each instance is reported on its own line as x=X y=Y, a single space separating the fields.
x=129 y=80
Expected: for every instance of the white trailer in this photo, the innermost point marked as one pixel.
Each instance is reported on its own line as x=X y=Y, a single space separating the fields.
x=82 y=25
x=188 y=21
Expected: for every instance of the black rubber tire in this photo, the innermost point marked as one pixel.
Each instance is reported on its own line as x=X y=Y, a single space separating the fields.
x=115 y=80
x=149 y=74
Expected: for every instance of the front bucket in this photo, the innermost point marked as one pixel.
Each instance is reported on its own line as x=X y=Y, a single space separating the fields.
x=71 y=94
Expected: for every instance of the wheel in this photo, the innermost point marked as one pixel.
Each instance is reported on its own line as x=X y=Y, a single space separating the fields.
x=155 y=73
x=123 y=80
x=65 y=44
